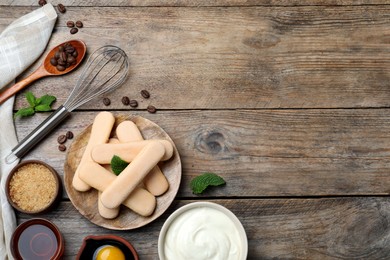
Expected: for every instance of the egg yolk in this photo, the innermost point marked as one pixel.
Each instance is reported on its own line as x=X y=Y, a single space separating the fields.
x=110 y=253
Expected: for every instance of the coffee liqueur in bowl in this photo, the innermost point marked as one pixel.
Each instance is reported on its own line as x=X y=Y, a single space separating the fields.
x=37 y=239
x=203 y=230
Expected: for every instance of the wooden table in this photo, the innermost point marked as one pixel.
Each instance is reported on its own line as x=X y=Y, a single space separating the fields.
x=287 y=100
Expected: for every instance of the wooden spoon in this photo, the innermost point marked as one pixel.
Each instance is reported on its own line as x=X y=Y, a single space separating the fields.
x=46 y=69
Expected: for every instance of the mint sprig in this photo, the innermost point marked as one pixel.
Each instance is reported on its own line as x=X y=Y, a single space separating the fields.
x=201 y=182
x=42 y=104
x=118 y=165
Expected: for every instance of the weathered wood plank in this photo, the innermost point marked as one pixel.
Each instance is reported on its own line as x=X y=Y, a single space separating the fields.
x=265 y=152
x=342 y=228
x=224 y=58
x=196 y=3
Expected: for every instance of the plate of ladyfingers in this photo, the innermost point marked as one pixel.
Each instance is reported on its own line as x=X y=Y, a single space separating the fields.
x=141 y=190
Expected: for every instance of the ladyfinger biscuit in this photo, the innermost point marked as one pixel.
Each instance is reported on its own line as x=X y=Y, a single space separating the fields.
x=127 y=131
x=103 y=211
x=155 y=182
x=100 y=133
x=113 y=140
x=103 y=153
x=110 y=141
x=106 y=212
x=140 y=200
x=132 y=175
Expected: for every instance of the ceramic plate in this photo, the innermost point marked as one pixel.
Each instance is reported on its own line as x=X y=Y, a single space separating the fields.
x=86 y=202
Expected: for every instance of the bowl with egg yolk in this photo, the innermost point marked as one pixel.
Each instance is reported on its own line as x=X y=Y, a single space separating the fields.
x=106 y=247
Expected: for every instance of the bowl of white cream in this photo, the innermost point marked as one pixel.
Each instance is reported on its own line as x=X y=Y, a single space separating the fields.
x=202 y=230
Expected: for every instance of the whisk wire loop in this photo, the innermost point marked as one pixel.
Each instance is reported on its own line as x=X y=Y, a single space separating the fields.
x=106 y=69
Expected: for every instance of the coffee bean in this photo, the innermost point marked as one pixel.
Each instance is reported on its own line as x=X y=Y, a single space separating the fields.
x=42 y=2
x=70 y=24
x=151 y=109
x=79 y=24
x=71 y=60
x=69 y=135
x=57 y=54
x=125 y=101
x=61 y=139
x=69 y=49
x=133 y=103
x=61 y=62
x=74 y=30
x=60 y=68
x=62 y=147
x=61 y=8
x=106 y=101
x=145 y=93
x=53 y=61
x=63 y=56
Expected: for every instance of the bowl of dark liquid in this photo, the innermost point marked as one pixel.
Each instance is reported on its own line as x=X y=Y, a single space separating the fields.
x=37 y=239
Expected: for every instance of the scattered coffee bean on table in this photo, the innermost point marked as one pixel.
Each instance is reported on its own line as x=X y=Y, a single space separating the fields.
x=133 y=103
x=125 y=101
x=62 y=147
x=145 y=93
x=106 y=101
x=69 y=135
x=61 y=8
x=79 y=24
x=70 y=24
x=74 y=30
x=151 y=109
x=61 y=139
x=42 y=2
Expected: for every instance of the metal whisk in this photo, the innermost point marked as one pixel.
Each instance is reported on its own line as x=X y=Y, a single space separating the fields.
x=106 y=69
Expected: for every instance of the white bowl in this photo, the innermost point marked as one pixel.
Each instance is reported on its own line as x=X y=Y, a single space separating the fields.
x=185 y=239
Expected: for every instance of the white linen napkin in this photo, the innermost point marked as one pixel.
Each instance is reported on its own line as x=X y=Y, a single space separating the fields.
x=21 y=43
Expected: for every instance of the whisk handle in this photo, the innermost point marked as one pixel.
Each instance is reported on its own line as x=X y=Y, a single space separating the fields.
x=38 y=134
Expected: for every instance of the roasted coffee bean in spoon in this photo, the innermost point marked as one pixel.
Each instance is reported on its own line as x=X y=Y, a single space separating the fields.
x=47 y=69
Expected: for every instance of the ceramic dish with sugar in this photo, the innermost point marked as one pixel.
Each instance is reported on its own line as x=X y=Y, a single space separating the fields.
x=33 y=187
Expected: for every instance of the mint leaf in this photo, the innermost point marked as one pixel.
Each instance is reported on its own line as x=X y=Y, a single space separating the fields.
x=30 y=98
x=42 y=104
x=46 y=100
x=28 y=111
x=118 y=165
x=42 y=108
x=201 y=182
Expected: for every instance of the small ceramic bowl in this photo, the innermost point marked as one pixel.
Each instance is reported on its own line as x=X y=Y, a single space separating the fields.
x=91 y=245
x=37 y=239
x=202 y=228
x=33 y=187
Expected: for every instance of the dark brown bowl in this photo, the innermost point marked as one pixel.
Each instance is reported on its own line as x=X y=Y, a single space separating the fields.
x=28 y=238
x=91 y=243
x=51 y=204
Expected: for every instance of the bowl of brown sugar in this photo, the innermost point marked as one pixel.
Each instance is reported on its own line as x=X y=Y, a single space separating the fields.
x=33 y=187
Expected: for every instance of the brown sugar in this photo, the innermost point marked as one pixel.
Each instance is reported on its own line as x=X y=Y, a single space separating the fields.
x=32 y=187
